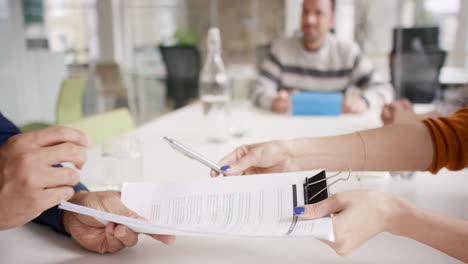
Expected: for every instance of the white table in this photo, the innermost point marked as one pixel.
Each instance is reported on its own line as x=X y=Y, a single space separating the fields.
x=36 y=244
x=453 y=76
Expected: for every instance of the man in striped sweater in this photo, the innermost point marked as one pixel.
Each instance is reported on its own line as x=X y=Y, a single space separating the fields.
x=318 y=61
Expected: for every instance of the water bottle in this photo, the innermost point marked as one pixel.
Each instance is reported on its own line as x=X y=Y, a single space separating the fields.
x=215 y=94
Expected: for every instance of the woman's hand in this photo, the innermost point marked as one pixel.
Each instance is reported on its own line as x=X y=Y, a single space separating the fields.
x=358 y=216
x=267 y=157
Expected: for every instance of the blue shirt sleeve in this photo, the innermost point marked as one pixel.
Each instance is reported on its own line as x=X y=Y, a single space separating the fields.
x=53 y=216
x=7 y=129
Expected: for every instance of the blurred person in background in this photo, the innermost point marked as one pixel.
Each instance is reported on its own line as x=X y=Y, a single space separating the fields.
x=318 y=61
x=402 y=111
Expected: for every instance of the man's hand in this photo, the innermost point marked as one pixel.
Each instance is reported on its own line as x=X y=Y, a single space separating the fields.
x=29 y=184
x=354 y=105
x=283 y=103
x=95 y=236
x=399 y=112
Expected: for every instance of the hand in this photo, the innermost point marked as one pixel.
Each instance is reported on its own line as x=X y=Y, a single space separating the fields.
x=358 y=216
x=354 y=105
x=95 y=236
x=268 y=157
x=29 y=184
x=283 y=103
x=399 y=112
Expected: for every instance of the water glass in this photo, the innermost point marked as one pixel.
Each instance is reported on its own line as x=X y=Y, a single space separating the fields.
x=122 y=161
x=240 y=118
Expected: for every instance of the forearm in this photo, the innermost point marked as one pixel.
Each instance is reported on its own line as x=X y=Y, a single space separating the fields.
x=445 y=233
x=401 y=147
x=433 y=114
x=331 y=153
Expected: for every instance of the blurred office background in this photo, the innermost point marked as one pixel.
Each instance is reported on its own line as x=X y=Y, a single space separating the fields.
x=118 y=47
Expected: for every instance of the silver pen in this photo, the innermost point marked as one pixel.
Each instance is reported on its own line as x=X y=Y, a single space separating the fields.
x=193 y=155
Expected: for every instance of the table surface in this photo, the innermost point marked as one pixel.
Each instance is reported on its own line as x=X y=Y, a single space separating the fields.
x=443 y=193
x=453 y=76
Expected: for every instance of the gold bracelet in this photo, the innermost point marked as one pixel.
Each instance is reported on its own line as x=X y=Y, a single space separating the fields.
x=365 y=151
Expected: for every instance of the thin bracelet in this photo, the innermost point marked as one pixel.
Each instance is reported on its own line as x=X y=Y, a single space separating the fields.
x=365 y=151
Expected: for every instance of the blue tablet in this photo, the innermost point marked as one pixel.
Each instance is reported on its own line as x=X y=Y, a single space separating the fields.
x=317 y=103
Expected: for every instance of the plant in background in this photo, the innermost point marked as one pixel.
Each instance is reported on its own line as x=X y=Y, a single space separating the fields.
x=185 y=37
x=422 y=15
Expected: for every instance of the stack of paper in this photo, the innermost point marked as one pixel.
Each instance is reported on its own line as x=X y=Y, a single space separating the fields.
x=252 y=206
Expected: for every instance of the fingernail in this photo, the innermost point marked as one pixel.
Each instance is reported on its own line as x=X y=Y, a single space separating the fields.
x=299 y=210
x=226 y=168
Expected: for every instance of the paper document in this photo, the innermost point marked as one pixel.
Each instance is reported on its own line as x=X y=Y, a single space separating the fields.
x=251 y=206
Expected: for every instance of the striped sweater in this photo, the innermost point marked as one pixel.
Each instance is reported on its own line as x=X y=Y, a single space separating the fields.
x=336 y=66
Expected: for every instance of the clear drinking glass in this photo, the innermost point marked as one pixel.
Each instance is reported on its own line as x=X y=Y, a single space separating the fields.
x=241 y=122
x=122 y=161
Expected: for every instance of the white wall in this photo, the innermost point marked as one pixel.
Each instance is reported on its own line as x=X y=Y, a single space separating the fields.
x=458 y=57
x=293 y=9
x=29 y=80
x=11 y=61
x=343 y=15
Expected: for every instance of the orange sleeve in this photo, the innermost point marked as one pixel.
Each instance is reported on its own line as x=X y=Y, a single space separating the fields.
x=450 y=139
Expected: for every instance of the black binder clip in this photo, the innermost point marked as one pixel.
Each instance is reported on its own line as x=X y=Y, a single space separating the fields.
x=316 y=187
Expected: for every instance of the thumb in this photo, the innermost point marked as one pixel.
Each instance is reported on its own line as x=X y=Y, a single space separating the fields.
x=321 y=209
x=165 y=239
x=240 y=166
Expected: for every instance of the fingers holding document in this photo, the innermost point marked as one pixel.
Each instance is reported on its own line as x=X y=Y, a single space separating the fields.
x=29 y=184
x=357 y=217
x=96 y=236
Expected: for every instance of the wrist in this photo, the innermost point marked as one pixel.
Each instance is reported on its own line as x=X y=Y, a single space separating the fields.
x=302 y=153
x=401 y=213
x=433 y=114
x=67 y=215
x=291 y=148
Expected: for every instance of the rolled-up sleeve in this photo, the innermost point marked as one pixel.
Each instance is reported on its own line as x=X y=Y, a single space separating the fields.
x=450 y=140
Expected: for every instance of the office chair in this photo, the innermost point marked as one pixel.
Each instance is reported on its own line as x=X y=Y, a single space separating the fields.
x=105 y=125
x=69 y=104
x=417 y=77
x=183 y=67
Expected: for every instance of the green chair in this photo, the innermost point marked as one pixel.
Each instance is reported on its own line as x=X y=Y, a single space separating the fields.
x=69 y=104
x=105 y=125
